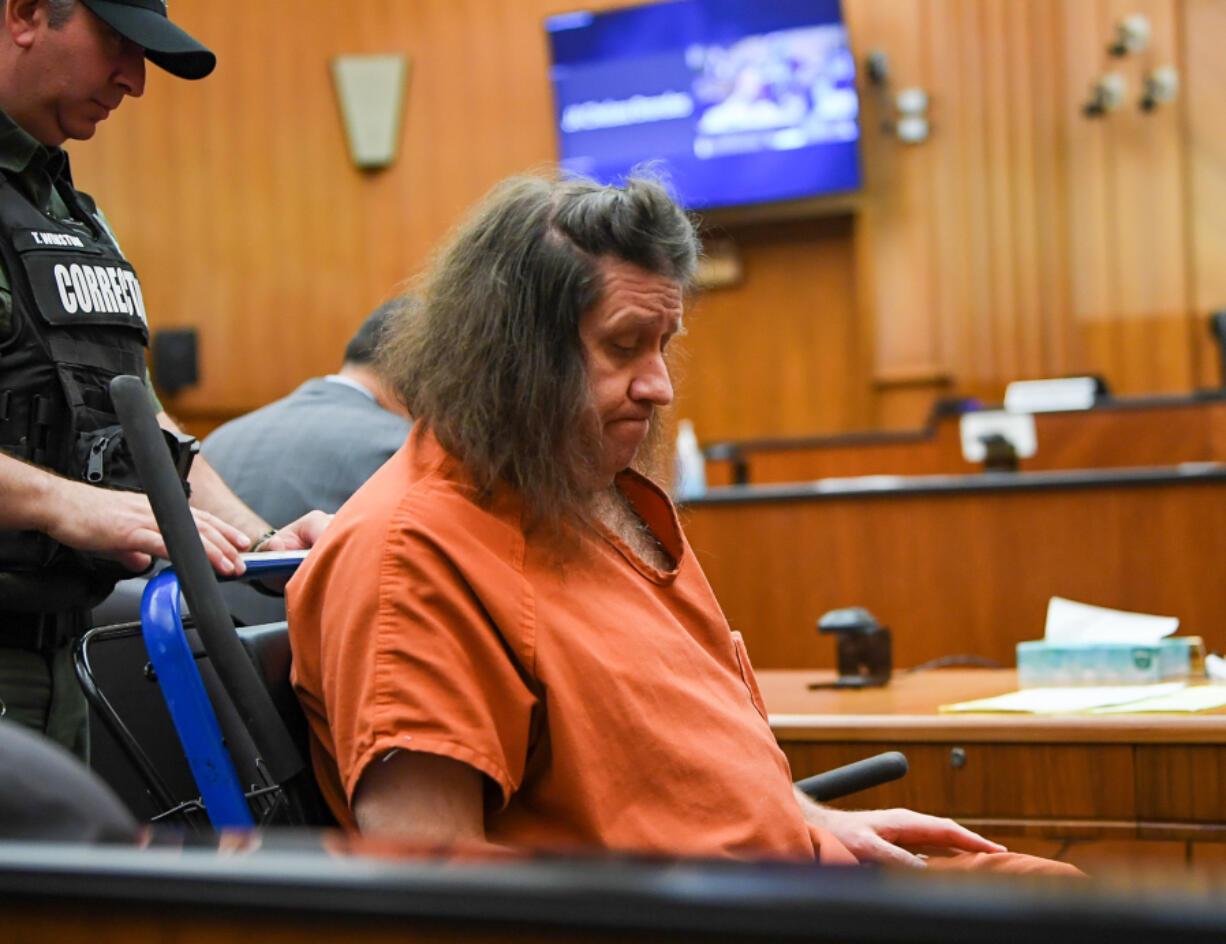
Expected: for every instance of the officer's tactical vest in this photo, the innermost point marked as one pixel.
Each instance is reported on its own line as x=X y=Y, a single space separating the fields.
x=78 y=321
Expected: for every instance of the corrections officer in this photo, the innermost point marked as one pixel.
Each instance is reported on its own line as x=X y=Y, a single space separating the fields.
x=72 y=316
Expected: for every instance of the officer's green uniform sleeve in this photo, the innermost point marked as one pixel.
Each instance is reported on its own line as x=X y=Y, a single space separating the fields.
x=153 y=397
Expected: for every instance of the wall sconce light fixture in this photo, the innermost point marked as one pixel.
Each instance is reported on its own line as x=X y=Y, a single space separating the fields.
x=1106 y=94
x=910 y=105
x=912 y=123
x=1161 y=87
x=370 y=91
x=1131 y=35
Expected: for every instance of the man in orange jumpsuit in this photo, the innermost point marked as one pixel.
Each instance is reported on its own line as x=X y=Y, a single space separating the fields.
x=504 y=636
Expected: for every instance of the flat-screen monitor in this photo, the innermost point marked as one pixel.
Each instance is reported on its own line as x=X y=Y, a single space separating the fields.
x=735 y=102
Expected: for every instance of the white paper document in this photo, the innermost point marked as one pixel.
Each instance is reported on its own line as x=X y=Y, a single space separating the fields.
x=1047 y=396
x=1066 y=700
x=1192 y=698
x=1070 y=622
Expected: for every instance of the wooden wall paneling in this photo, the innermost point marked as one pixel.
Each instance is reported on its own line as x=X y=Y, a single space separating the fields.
x=970 y=178
x=1090 y=212
x=314 y=252
x=999 y=225
x=392 y=202
x=280 y=246
x=1202 y=81
x=1125 y=214
x=1024 y=56
x=960 y=573
x=997 y=244
x=1154 y=327
x=266 y=257
x=899 y=206
x=963 y=281
x=864 y=270
x=955 y=275
x=779 y=354
x=1051 y=198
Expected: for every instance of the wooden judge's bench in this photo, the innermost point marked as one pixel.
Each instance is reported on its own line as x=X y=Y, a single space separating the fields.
x=1122 y=506
x=963 y=564
x=1133 y=431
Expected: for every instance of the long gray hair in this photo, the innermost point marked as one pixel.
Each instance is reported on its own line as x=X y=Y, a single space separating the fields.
x=491 y=360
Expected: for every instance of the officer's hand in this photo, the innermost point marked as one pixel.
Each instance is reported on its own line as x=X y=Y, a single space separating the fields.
x=122 y=524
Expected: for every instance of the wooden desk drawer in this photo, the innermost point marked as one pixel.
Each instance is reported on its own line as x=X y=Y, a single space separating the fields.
x=1005 y=781
x=1181 y=783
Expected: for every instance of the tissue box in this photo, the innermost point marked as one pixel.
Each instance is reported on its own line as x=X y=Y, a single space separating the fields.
x=1040 y=663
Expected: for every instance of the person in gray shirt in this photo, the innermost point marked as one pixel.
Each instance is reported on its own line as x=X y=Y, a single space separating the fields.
x=311 y=449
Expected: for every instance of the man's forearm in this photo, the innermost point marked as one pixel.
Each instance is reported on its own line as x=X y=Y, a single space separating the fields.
x=26 y=495
x=212 y=494
x=812 y=811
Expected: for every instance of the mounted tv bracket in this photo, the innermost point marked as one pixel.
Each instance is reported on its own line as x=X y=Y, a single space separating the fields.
x=864 y=648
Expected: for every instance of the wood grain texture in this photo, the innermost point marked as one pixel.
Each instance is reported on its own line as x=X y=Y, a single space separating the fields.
x=1022 y=239
x=961 y=573
x=1204 y=78
x=1190 y=781
x=1068 y=777
x=794 y=311
x=1052 y=243
x=912 y=704
x=1108 y=437
x=1013 y=782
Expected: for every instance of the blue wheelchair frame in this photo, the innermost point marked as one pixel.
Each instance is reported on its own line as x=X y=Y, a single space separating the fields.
x=195 y=721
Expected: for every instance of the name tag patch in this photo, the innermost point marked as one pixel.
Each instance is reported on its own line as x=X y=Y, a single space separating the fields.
x=27 y=239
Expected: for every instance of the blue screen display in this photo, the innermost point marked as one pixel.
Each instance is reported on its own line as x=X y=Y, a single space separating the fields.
x=733 y=101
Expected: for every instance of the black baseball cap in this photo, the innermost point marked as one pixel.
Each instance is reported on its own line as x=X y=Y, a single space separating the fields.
x=147 y=24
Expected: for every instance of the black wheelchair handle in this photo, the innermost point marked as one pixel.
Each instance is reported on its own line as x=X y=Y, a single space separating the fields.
x=851 y=778
x=199 y=584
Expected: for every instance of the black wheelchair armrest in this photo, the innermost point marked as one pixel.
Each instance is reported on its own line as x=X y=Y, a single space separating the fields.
x=870 y=772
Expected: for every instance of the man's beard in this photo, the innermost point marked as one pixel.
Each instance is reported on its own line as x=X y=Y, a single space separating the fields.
x=653 y=458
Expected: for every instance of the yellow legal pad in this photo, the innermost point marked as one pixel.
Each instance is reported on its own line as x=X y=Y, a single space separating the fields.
x=1194 y=698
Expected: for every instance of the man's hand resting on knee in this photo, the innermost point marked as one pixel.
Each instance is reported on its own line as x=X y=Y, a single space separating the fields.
x=880 y=835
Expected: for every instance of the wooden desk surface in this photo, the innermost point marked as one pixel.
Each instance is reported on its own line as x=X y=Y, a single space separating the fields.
x=907 y=710
x=1142 y=776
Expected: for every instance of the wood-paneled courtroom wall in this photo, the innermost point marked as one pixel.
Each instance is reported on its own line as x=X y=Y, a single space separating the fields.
x=1022 y=239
